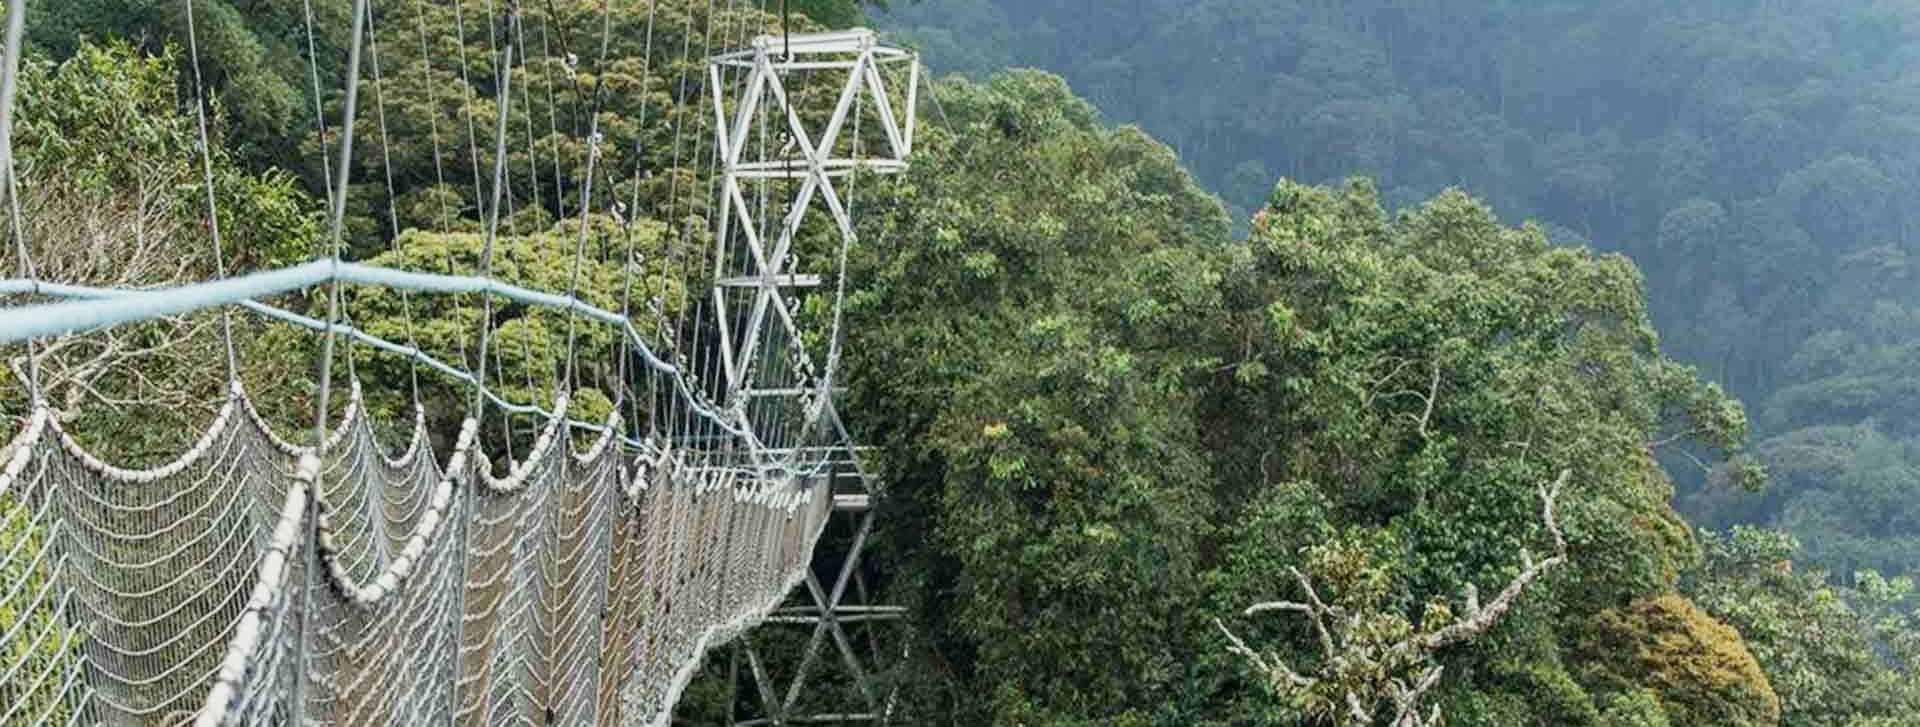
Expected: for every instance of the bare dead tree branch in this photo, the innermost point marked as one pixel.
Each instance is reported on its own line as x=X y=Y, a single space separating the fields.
x=1427 y=399
x=1481 y=619
x=118 y=236
x=1383 y=667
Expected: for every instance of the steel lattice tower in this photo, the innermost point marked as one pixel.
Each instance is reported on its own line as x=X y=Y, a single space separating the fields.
x=770 y=148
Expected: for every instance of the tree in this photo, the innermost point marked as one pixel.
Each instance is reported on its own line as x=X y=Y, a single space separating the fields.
x=836 y=13
x=1833 y=656
x=252 y=54
x=1016 y=347
x=112 y=194
x=1104 y=423
x=1372 y=659
x=1414 y=377
x=529 y=348
x=1697 y=668
x=1629 y=121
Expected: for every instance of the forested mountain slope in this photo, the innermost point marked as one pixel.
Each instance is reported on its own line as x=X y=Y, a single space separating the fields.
x=1105 y=425
x=1108 y=424
x=1760 y=161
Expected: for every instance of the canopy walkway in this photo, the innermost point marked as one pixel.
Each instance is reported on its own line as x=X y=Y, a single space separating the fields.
x=264 y=576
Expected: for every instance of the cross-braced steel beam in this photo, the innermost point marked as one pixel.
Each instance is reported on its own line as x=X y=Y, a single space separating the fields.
x=758 y=278
x=771 y=147
x=834 y=614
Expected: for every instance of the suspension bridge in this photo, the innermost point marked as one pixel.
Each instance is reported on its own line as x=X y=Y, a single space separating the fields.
x=339 y=574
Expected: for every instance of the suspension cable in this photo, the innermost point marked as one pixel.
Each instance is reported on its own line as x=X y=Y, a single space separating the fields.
x=339 y=199
x=9 y=84
x=433 y=115
x=693 y=264
x=515 y=36
x=716 y=218
x=626 y=229
x=468 y=95
x=586 y=189
x=339 y=213
x=505 y=70
x=677 y=103
x=500 y=370
x=206 y=178
x=393 y=213
x=319 y=116
x=553 y=124
x=26 y=269
x=675 y=259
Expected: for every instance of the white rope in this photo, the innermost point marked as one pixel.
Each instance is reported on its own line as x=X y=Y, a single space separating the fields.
x=547 y=559
x=267 y=590
x=578 y=587
x=20 y=450
x=543 y=446
x=397 y=572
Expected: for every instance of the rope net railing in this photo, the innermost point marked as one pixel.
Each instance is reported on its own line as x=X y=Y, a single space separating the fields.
x=635 y=452
x=588 y=585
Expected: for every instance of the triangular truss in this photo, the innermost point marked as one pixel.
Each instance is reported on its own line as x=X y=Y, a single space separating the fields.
x=755 y=297
x=769 y=147
x=840 y=613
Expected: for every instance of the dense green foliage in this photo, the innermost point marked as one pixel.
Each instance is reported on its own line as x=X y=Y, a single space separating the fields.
x=1019 y=326
x=1698 y=669
x=113 y=193
x=529 y=345
x=1106 y=420
x=1834 y=657
x=1757 y=159
x=430 y=120
x=108 y=126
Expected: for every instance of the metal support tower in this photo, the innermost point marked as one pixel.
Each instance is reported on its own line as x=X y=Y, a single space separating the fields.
x=839 y=612
x=770 y=146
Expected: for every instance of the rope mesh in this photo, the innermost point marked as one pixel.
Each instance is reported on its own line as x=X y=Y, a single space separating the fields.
x=594 y=582
x=255 y=580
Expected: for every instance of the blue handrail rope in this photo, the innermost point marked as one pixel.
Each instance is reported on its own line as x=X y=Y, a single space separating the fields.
x=84 y=308
x=77 y=316
x=9 y=81
x=94 y=309
x=102 y=308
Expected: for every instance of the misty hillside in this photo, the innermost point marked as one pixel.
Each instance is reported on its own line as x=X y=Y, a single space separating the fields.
x=1759 y=161
x=1190 y=363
